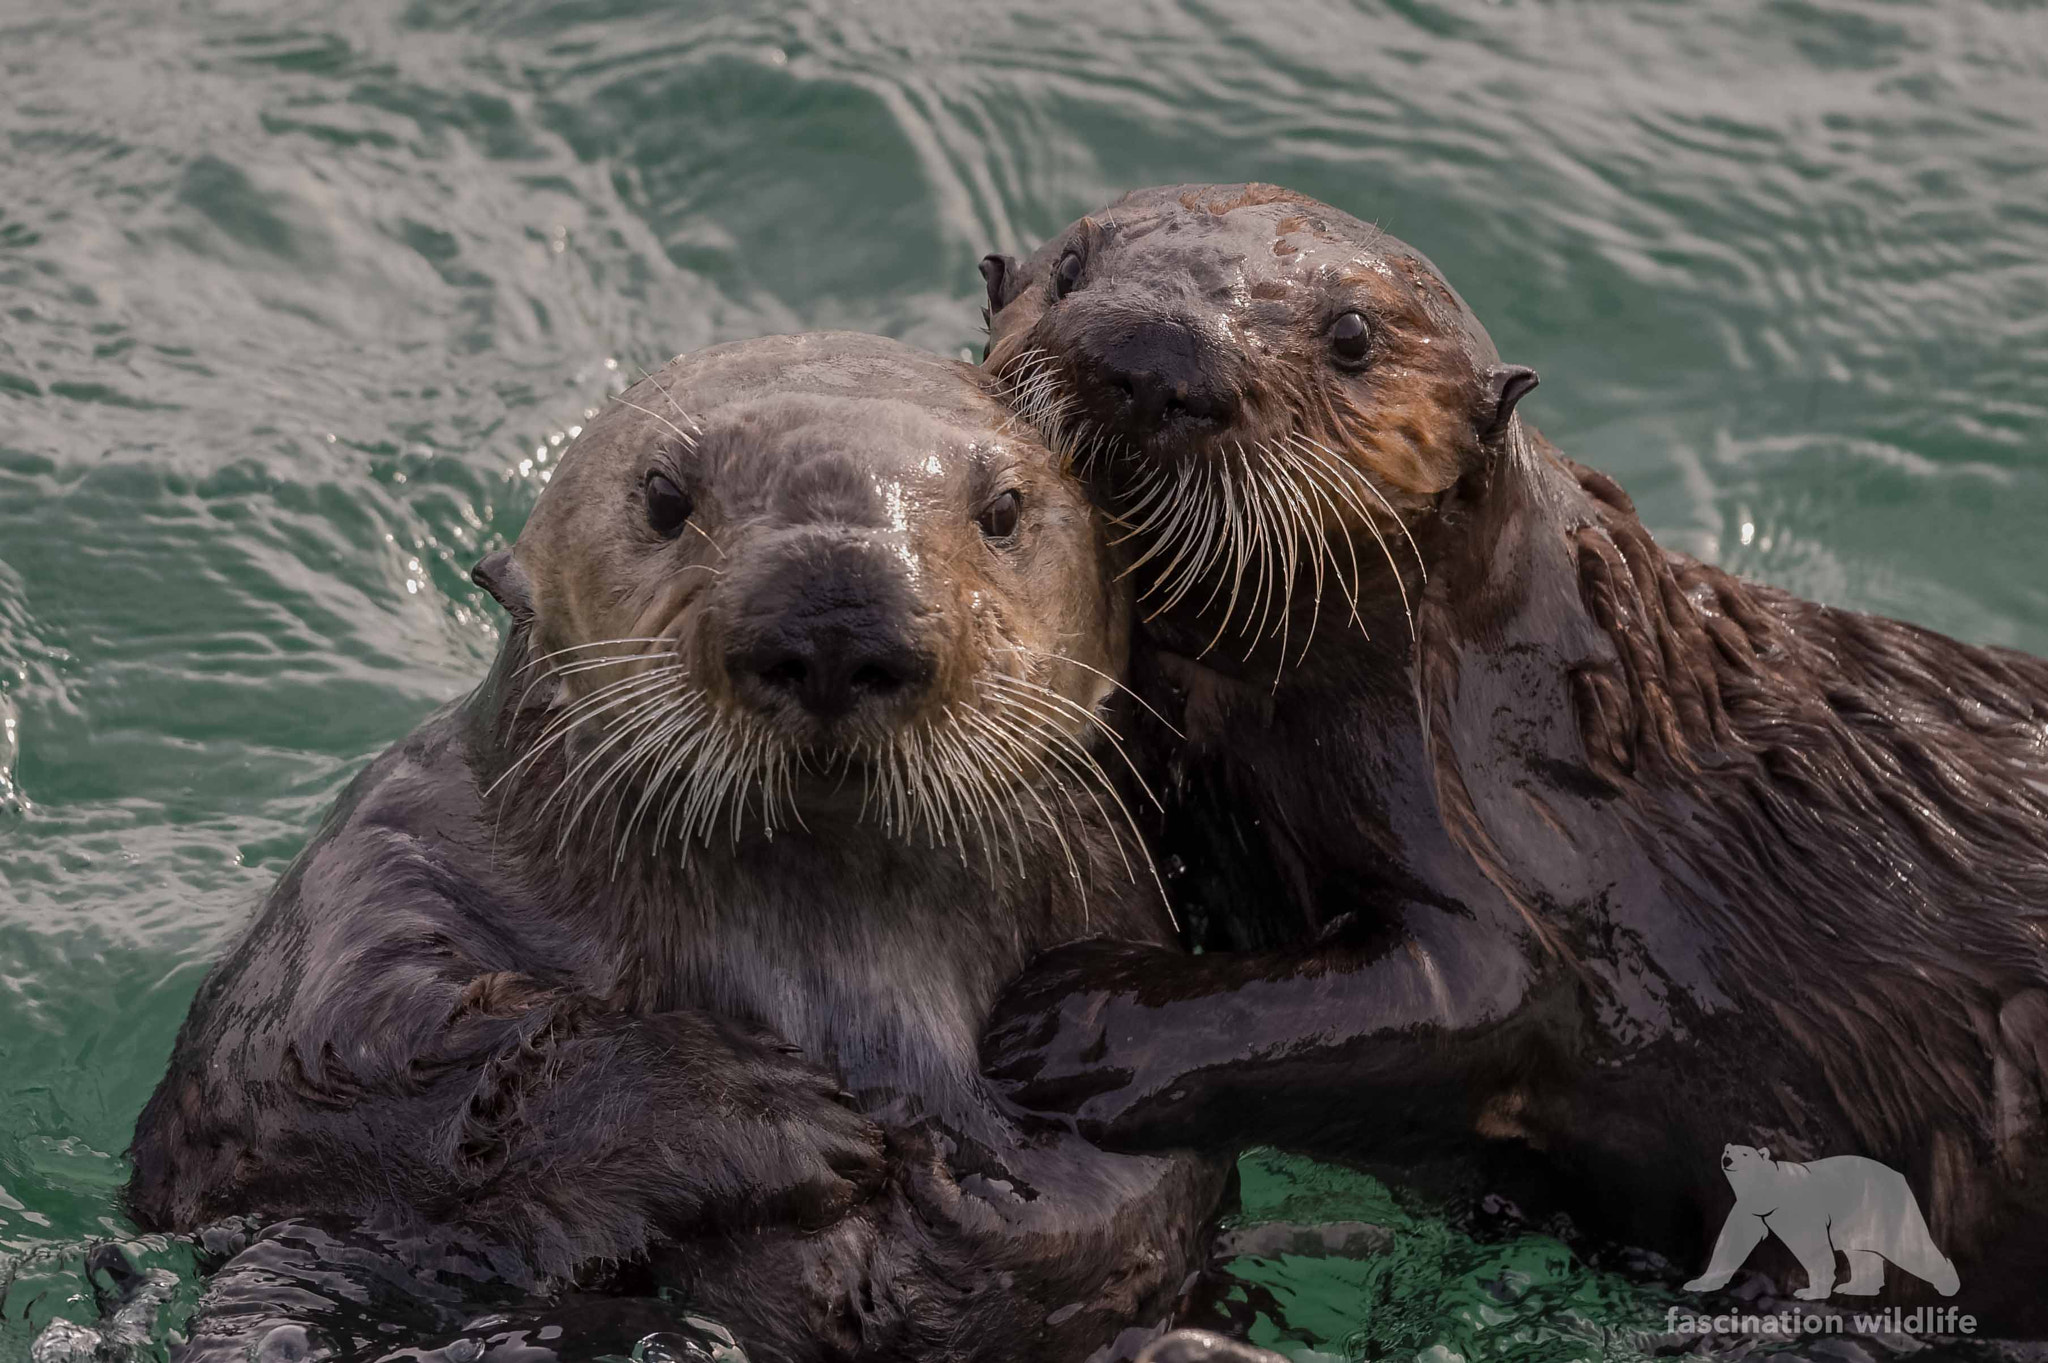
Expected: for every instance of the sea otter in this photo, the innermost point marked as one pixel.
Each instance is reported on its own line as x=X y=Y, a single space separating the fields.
x=794 y=752
x=1538 y=833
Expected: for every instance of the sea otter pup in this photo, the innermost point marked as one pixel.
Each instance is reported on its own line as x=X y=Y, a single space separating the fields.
x=1579 y=843
x=795 y=744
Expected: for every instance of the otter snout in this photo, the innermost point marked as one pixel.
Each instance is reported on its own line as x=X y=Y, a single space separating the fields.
x=829 y=630
x=1152 y=375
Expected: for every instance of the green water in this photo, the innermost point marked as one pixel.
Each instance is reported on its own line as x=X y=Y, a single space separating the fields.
x=295 y=300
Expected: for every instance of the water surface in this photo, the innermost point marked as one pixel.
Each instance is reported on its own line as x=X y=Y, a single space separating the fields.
x=298 y=302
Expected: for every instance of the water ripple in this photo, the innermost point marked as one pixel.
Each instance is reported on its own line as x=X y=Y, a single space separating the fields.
x=297 y=304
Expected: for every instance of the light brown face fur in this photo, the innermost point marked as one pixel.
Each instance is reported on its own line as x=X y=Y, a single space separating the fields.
x=841 y=494
x=1191 y=342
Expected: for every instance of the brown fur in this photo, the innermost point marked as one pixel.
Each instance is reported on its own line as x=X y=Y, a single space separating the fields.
x=1614 y=855
x=503 y=1011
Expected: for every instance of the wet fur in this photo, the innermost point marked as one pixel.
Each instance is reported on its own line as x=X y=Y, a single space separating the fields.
x=1615 y=858
x=464 y=1019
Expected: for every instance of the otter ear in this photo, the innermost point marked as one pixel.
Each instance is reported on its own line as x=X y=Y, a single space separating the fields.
x=1001 y=275
x=501 y=576
x=1764 y=1153
x=1506 y=385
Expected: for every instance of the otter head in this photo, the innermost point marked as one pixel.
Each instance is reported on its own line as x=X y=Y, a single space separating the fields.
x=1255 y=378
x=804 y=579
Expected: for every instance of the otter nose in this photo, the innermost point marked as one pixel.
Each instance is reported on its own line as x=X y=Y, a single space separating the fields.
x=830 y=628
x=829 y=665
x=1162 y=369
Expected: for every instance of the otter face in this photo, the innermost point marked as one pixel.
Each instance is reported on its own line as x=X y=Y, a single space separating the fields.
x=818 y=577
x=1253 y=375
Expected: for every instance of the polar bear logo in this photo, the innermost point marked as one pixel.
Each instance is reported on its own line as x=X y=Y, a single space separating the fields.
x=1847 y=1203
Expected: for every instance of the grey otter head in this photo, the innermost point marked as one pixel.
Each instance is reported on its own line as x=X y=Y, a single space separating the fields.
x=806 y=578
x=1255 y=378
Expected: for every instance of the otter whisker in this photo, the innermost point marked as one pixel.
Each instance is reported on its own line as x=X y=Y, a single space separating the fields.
x=670 y=764
x=1330 y=492
x=1052 y=704
x=1102 y=782
x=656 y=722
x=959 y=798
x=975 y=776
x=1325 y=514
x=1238 y=520
x=662 y=743
x=595 y=643
x=1196 y=529
x=598 y=702
x=689 y=441
x=576 y=711
x=1051 y=659
x=635 y=702
x=1030 y=788
x=1414 y=549
x=1151 y=486
x=1008 y=769
x=1303 y=526
x=1274 y=571
x=1040 y=694
x=1235 y=518
x=1192 y=527
x=1061 y=743
x=567 y=670
x=581 y=665
x=706 y=536
x=1337 y=468
x=664 y=390
x=706 y=771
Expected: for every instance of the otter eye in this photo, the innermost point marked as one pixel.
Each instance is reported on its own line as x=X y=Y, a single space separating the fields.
x=998 y=520
x=668 y=506
x=1349 y=337
x=1066 y=276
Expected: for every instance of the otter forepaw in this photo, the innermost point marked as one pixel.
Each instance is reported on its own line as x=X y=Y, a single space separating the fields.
x=1069 y=1041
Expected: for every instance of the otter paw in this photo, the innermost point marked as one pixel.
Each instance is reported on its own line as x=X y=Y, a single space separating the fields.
x=763 y=1134
x=1814 y=1293
x=1708 y=1282
x=1068 y=1042
x=829 y=1150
